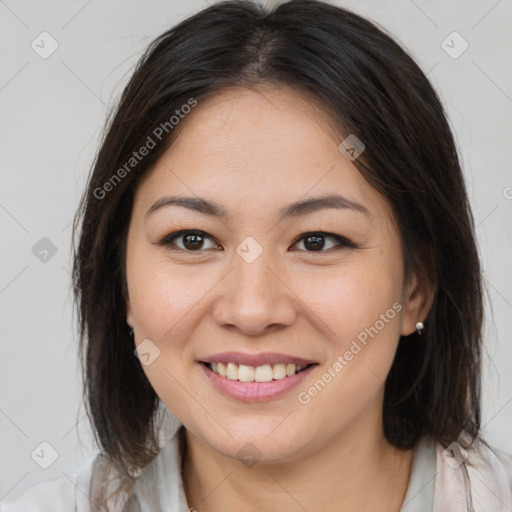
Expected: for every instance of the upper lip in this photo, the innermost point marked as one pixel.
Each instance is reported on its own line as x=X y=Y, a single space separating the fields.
x=255 y=359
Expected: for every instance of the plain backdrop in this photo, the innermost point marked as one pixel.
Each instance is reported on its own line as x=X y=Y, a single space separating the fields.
x=52 y=113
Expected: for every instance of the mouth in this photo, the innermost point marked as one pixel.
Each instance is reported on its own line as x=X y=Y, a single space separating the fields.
x=255 y=378
x=263 y=373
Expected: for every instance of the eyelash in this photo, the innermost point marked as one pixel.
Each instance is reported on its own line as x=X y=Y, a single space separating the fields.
x=342 y=242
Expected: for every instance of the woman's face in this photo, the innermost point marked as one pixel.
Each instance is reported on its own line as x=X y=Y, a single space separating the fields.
x=253 y=294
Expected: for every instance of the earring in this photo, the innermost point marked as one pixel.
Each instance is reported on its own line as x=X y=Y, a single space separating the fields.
x=131 y=332
x=419 y=327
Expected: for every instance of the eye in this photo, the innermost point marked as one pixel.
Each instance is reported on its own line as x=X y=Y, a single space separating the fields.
x=315 y=241
x=193 y=241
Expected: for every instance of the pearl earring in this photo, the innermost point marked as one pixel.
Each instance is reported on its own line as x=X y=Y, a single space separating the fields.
x=419 y=327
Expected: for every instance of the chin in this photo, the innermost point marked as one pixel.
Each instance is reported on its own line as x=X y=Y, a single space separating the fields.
x=262 y=440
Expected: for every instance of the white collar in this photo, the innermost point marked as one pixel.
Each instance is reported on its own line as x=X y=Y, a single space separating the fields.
x=434 y=485
x=159 y=486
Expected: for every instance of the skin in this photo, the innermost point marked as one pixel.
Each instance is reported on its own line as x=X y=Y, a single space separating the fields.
x=255 y=152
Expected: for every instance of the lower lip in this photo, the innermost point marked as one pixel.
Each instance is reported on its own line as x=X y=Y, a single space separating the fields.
x=255 y=391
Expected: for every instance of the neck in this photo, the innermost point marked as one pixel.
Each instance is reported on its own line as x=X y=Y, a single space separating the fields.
x=353 y=471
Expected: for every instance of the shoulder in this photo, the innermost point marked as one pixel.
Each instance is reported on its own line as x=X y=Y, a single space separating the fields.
x=491 y=462
x=499 y=461
x=506 y=461
x=98 y=483
x=68 y=492
x=479 y=477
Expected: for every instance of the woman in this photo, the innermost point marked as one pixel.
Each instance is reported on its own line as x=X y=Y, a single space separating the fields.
x=279 y=291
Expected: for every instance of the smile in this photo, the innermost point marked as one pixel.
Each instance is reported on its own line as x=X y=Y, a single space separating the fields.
x=263 y=373
x=255 y=377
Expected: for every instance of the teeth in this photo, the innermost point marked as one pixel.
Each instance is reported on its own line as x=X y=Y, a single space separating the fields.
x=279 y=371
x=264 y=373
x=232 y=371
x=221 y=369
x=245 y=373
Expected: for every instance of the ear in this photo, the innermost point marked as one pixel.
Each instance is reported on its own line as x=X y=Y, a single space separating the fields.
x=417 y=301
x=129 y=316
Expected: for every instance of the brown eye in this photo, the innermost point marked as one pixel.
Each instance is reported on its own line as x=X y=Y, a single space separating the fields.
x=192 y=241
x=316 y=241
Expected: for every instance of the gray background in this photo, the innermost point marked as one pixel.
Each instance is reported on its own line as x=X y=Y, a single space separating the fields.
x=52 y=113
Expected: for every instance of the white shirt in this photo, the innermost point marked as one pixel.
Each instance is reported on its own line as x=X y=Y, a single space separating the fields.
x=441 y=481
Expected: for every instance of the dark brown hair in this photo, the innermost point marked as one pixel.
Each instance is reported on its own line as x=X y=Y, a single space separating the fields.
x=368 y=86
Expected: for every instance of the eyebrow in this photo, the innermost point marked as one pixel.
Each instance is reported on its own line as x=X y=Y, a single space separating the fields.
x=295 y=209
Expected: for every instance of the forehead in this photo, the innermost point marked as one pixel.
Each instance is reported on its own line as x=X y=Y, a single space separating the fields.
x=251 y=149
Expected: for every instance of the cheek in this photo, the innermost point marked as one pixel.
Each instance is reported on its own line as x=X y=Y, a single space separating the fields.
x=164 y=300
x=350 y=301
x=162 y=296
x=363 y=313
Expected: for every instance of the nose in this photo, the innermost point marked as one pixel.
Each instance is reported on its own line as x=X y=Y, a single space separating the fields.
x=254 y=299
